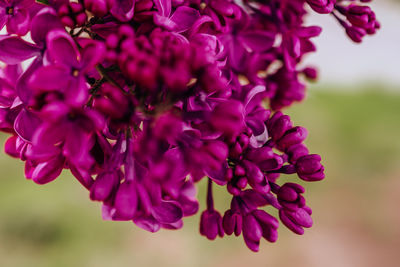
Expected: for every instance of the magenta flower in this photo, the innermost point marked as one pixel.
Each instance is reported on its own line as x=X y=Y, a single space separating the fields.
x=14 y=50
x=15 y=15
x=296 y=220
x=66 y=72
x=309 y=168
x=142 y=99
x=259 y=224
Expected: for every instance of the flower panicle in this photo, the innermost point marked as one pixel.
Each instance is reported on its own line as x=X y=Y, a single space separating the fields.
x=143 y=99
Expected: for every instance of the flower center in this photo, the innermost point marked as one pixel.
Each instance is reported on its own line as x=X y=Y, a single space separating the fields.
x=72 y=116
x=9 y=10
x=75 y=72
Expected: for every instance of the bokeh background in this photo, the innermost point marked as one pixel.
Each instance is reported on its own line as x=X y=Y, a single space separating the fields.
x=353 y=117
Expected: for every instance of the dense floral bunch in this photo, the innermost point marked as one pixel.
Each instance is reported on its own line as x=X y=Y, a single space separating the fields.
x=142 y=99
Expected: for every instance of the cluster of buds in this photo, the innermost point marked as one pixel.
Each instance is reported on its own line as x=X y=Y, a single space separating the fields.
x=358 y=20
x=140 y=100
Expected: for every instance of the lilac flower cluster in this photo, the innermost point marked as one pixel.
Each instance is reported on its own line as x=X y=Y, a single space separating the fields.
x=142 y=99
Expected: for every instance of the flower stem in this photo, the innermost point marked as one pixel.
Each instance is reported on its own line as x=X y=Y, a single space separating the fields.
x=210 y=200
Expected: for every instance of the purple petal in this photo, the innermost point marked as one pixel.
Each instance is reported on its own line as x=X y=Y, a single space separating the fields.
x=176 y=156
x=189 y=206
x=164 y=22
x=26 y=124
x=188 y=200
x=97 y=122
x=22 y=3
x=11 y=73
x=167 y=212
x=237 y=55
x=10 y=147
x=252 y=232
x=50 y=78
x=62 y=49
x=14 y=50
x=253 y=199
x=173 y=226
x=123 y=9
x=53 y=130
x=307 y=32
x=48 y=171
x=259 y=140
x=125 y=203
x=55 y=112
x=145 y=204
x=163 y=7
x=44 y=142
x=148 y=223
x=256 y=125
x=104 y=185
x=218 y=176
x=23 y=90
x=77 y=147
x=3 y=17
x=129 y=164
x=251 y=99
x=184 y=17
x=92 y=54
x=106 y=29
x=200 y=25
x=45 y=21
x=77 y=91
x=257 y=41
x=7 y=94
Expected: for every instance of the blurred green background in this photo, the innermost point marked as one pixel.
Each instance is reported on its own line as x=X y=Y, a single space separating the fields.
x=356 y=214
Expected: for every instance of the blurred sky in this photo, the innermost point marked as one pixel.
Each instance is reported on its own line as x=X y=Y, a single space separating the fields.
x=377 y=58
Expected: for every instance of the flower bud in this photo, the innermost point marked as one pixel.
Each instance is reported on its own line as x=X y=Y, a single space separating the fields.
x=322 y=6
x=296 y=151
x=356 y=34
x=269 y=225
x=259 y=224
x=289 y=196
x=310 y=73
x=278 y=125
x=72 y=14
x=309 y=168
x=232 y=222
x=211 y=224
x=48 y=171
x=296 y=220
x=291 y=137
x=104 y=185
